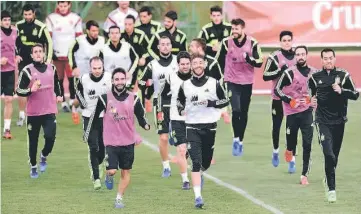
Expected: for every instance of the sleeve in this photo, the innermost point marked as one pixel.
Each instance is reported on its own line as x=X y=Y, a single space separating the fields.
x=183 y=43
x=79 y=27
x=181 y=100
x=139 y=112
x=271 y=70
x=222 y=98
x=134 y=58
x=285 y=80
x=49 y=24
x=23 y=89
x=71 y=55
x=152 y=46
x=47 y=40
x=312 y=85
x=139 y=47
x=221 y=54
x=348 y=88
x=108 y=23
x=79 y=92
x=145 y=75
x=57 y=89
x=256 y=60
x=101 y=106
x=216 y=71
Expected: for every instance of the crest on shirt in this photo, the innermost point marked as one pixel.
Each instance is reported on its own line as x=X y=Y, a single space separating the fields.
x=23 y=38
x=136 y=39
x=212 y=35
x=152 y=30
x=35 y=32
x=288 y=130
x=225 y=33
x=177 y=38
x=322 y=137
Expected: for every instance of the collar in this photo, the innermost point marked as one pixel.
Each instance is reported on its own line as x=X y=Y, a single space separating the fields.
x=203 y=77
x=96 y=79
x=184 y=76
x=288 y=53
x=116 y=92
x=58 y=12
x=90 y=40
x=331 y=71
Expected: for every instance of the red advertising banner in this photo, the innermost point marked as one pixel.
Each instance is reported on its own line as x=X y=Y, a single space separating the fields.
x=316 y=23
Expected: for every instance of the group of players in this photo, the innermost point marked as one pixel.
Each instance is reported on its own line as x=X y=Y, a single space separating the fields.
x=190 y=90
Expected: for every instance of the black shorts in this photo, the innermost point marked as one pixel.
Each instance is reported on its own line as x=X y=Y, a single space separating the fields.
x=119 y=157
x=7 y=83
x=162 y=126
x=178 y=132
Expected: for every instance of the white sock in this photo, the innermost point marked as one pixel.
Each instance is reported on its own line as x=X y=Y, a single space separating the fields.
x=184 y=177
x=22 y=114
x=119 y=196
x=36 y=166
x=71 y=101
x=276 y=150
x=63 y=104
x=240 y=142
x=197 y=191
x=236 y=139
x=7 y=123
x=293 y=159
x=166 y=164
x=42 y=156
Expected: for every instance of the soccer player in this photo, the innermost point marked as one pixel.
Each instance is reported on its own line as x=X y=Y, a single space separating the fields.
x=331 y=88
x=64 y=26
x=8 y=64
x=30 y=32
x=88 y=89
x=215 y=31
x=277 y=62
x=117 y=53
x=155 y=74
x=178 y=127
x=199 y=99
x=117 y=16
x=292 y=89
x=83 y=49
x=38 y=82
x=244 y=55
x=178 y=38
x=119 y=106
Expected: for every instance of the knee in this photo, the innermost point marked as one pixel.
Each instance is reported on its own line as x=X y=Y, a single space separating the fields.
x=8 y=100
x=50 y=136
x=111 y=172
x=76 y=102
x=196 y=166
x=236 y=113
x=182 y=150
x=163 y=138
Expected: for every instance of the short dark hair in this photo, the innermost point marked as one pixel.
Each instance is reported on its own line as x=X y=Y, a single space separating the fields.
x=195 y=56
x=69 y=2
x=37 y=45
x=238 y=21
x=302 y=47
x=28 y=7
x=201 y=42
x=114 y=27
x=172 y=15
x=119 y=70
x=164 y=37
x=216 y=8
x=96 y=58
x=145 y=9
x=91 y=23
x=182 y=55
x=5 y=14
x=286 y=33
x=130 y=17
x=325 y=50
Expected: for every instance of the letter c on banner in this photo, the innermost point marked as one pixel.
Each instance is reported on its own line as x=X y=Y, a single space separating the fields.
x=317 y=15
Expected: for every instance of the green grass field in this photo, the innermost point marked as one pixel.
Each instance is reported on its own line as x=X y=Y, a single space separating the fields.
x=66 y=188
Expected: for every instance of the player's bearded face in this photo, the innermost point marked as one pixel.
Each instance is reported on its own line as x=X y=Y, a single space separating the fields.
x=119 y=81
x=184 y=65
x=328 y=60
x=6 y=22
x=168 y=23
x=301 y=56
x=286 y=42
x=165 y=46
x=198 y=66
x=93 y=32
x=237 y=31
x=29 y=15
x=37 y=54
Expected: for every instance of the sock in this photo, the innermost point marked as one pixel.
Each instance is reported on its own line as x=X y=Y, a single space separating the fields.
x=197 y=191
x=74 y=109
x=36 y=166
x=63 y=104
x=166 y=164
x=119 y=196
x=236 y=139
x=22 y=114
x=276 y=150
x=71 y=101
x=7 y=123
x=42 y=156
x=184 y=177
x=240 y=142
x=293 y=159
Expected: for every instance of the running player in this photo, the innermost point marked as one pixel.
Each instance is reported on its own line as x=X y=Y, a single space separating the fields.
x=8 y=64
x=292 y=88
x=155 y=74
x=30 y=32
x=177 y=37
x=277 y=62
x=241 y=54
x=88 y=89
x=178 y=127
x=64 y=26
x=215 y=31
x=119 y=106
x=117 y=53
x=117 y=16
x=199 y=99
x=84 y=48
x=38 y=81
x=331 y=88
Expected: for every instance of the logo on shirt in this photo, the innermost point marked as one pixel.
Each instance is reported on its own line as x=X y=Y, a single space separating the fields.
x=91 y=92
x=225 y=33
x=135 y=39
x=177 y=38
x=152 y=30
x=35 y=32
x=207 y=90
x=320 y=82
x=161 y=76
x=116 y=116
x=194 y=98
x=92 y=95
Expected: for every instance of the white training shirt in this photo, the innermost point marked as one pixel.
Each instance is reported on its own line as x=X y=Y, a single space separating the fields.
x=175 y=82
x=161 y=73
x=117 y=17
x=63 y=30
